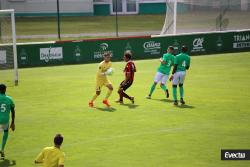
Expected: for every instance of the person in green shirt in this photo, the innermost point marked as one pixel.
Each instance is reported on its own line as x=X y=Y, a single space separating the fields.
x=167 y=61
x=6 y=106
x=181 y=64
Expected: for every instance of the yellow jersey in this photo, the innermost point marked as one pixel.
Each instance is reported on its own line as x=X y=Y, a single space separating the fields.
x=51 y=157
x=103 y=67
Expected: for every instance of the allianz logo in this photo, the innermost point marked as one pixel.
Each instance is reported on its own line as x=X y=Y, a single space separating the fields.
x=152 y=45
x=238 y=155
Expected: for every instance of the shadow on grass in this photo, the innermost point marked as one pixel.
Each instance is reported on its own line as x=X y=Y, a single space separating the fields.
x=131 y=106
x=164 y=100
x=172 y=101
x=107 y=109
x=7 y=163
x=185 y=106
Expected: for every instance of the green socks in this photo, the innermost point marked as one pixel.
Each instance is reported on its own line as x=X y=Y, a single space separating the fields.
x=152 y=89
x=5 y=137
x=175 y=93
x=181 y=91
x=164 y=88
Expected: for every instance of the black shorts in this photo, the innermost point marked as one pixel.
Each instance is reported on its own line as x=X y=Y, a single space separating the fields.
x=125 y=85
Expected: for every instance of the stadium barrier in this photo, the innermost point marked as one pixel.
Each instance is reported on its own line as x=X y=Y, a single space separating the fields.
x=142 y=47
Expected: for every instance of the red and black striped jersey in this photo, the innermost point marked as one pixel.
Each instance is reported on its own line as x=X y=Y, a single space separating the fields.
x=130 y=68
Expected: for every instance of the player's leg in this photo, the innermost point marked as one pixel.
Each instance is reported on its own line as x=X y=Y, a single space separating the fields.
x=110 y=89
x=152 y=88
x=181 y=87
x=124 y=86
x=157 y=78
x=91 y=103
x=175 y=82
x=99 y=85
x=4 y=139
x=120 y=93
x=164 y=85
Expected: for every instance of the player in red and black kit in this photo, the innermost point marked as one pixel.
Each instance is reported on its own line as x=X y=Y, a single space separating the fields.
x=129 y=71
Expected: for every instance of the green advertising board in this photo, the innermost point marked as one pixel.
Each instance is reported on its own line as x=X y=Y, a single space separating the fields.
x=146 y=47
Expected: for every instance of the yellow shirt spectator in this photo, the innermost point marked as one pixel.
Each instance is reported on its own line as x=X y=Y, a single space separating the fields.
x=51 y=157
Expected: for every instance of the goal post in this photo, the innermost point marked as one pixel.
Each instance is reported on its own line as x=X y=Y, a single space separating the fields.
x=192 y=16
x=8 y=51
x=169 y=26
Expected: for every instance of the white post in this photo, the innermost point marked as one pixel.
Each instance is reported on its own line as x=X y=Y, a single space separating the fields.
x=14 y=46
x=175 y=15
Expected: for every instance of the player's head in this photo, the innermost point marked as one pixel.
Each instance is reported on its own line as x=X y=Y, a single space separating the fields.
x=58 y=139
x=106 y=56
x=170 y=49
x=184 y=49
x=2 y=88
x=127 y=55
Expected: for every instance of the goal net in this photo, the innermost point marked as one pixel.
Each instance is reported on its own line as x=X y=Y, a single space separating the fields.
x=188 y=16
x=8 y=53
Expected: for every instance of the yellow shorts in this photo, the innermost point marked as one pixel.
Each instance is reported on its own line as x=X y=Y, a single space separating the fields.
x=102 y=82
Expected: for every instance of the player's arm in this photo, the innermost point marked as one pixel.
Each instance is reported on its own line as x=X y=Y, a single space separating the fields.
x=39 y=158
x=175 y=65
x=162 y=61
x=188 y=64
x=61 y=161
x=174 y=69
x=12 y=125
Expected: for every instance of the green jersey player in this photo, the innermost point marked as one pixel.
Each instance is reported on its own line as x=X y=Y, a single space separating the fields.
x=181 y=64
x=167 y=61
x=6 y=106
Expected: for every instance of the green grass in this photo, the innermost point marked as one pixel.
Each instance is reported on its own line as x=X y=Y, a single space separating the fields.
x=150 y=133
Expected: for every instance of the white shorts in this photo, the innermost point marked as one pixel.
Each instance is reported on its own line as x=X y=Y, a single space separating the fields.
x=179 y=77
x=4 y=127
x=160 y=77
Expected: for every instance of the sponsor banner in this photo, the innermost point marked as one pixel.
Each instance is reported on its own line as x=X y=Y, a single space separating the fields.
x=235 y=154
x=103 y=48
x=47 y=54
x=198 y=45
x=241 y=41
x=91 y=51
x=152 y=47
x=3 y=57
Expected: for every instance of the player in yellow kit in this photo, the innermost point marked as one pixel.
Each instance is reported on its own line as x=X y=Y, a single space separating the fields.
x=52 y=156
x=104 y=69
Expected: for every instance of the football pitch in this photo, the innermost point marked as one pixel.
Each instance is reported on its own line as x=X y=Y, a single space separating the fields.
x=150 y=133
